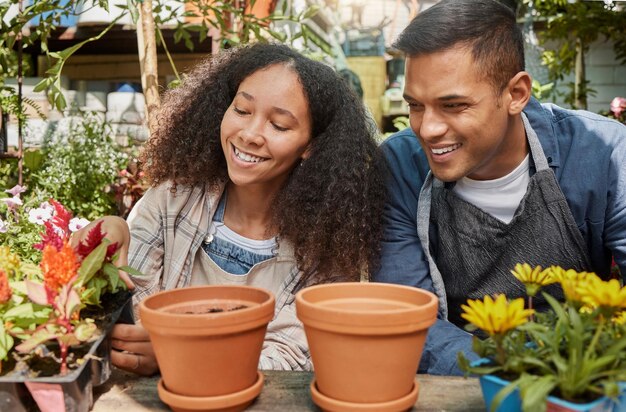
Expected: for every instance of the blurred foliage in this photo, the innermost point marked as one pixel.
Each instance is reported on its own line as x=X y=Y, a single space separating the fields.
x=566 y=23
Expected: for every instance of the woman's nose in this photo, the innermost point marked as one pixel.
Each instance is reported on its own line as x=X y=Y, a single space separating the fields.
x=252 y=132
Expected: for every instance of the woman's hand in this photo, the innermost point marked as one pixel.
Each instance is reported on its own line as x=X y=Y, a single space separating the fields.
x=132 y=350
x=116 y=230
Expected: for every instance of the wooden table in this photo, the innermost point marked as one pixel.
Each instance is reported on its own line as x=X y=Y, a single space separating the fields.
x=284 y=391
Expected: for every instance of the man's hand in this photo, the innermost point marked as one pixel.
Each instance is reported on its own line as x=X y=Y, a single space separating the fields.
x=132 y=350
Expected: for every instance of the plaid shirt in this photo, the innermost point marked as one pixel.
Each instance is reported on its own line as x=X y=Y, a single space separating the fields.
x=167 y=229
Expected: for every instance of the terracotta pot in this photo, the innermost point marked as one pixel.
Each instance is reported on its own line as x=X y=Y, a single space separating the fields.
x=366 y=340
x=208 y=339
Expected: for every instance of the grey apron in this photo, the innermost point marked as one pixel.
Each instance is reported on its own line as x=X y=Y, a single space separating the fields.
x=473 y=252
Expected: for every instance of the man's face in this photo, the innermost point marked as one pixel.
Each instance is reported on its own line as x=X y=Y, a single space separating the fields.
x=464 y=128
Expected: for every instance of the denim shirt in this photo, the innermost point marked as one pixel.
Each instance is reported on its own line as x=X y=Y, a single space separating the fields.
x=587 y=153
x=227 y=255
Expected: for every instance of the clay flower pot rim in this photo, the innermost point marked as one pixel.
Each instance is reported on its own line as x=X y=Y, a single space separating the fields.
x=151 y=311
x=208 y=403
x=311 y=307
x=330 y=404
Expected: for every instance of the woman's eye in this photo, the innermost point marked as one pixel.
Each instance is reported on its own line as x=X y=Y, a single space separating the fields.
x=279 y=128
x=239 y=111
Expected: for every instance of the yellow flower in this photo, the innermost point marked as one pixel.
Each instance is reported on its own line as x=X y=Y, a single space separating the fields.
x=620 y=318
x=570 y=281
x=10 y=262
x=609 y=295
x=533 y=278
x=496 y=316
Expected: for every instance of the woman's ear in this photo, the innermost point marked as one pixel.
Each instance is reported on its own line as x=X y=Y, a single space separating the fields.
x=520 y=90
x=307 y=152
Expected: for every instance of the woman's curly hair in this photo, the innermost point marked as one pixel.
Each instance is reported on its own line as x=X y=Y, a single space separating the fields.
x=331 y=207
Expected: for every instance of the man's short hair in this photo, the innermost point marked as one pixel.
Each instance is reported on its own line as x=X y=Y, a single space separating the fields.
x=487 y=27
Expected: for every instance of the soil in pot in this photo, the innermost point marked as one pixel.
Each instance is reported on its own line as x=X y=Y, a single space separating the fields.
x=216 y=306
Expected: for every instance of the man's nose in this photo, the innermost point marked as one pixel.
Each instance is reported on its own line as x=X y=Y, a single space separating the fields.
x=432 y=125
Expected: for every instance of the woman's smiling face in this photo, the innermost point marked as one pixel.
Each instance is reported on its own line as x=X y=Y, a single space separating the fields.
x=266 y=130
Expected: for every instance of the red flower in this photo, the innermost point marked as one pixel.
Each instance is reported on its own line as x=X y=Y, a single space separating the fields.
x=5 y=289
x=50 y=237
x=93 y=239
x=61 y=218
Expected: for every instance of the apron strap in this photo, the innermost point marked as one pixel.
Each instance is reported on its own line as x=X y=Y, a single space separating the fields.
x=541 y=163
x=423 y=227
x=423 y=213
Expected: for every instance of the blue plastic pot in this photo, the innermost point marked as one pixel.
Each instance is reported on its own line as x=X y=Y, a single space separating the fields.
x=491 y=385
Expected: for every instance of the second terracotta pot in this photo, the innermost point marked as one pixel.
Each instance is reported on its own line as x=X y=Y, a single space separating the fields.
x=366 y=339
x=208 y=339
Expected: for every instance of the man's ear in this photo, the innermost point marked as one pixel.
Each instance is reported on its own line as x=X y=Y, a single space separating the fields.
x=519 y=90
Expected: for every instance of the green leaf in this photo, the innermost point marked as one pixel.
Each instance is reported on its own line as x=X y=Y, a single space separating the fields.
x=131 y=271
x=25 y=310
x=502 y=394
x=41 y=86
x=40 y=336
x=535 y=393
x=92 y=263
x=310 y=12
x=85 y=330
x=278 y=36
x=134 y=12
x=72 y=303
x=6 y=342
x=36 y=292
x=33 y=159
x=112 y=273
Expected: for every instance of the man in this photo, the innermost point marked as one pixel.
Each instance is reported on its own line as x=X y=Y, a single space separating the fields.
x=511 y=180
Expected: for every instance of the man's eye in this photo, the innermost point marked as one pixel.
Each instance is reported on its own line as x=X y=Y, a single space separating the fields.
x=415 y=106
x=455 y=106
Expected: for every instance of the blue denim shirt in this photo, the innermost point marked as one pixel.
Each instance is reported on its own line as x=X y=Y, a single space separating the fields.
x=588 y=155
x=228 y=256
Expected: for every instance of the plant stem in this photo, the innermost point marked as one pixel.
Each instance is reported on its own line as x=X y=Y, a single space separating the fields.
x=592 y=346
x=63 y=347
x=500 y=354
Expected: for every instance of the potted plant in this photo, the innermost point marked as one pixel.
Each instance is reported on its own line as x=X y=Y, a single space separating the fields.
x=366 y=341
x=54 y=315
x=570 y=358
x=208 y=341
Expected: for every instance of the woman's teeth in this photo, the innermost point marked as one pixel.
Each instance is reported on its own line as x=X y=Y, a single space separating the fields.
x=246 y=157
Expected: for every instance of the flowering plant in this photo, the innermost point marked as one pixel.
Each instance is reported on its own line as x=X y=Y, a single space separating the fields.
x=43 y=303
x=576 y=350
x=618 y=108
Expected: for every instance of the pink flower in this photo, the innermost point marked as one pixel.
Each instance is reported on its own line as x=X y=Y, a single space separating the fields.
x=39 y=216
x=13 y=202
x=16 y=190
x=618 y=105
x=77 y=223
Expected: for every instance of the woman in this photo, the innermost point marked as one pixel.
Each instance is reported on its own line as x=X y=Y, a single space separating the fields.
x=264 y=172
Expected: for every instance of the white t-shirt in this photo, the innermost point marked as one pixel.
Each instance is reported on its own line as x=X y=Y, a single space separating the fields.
x=260 y=247
x=499 y=197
